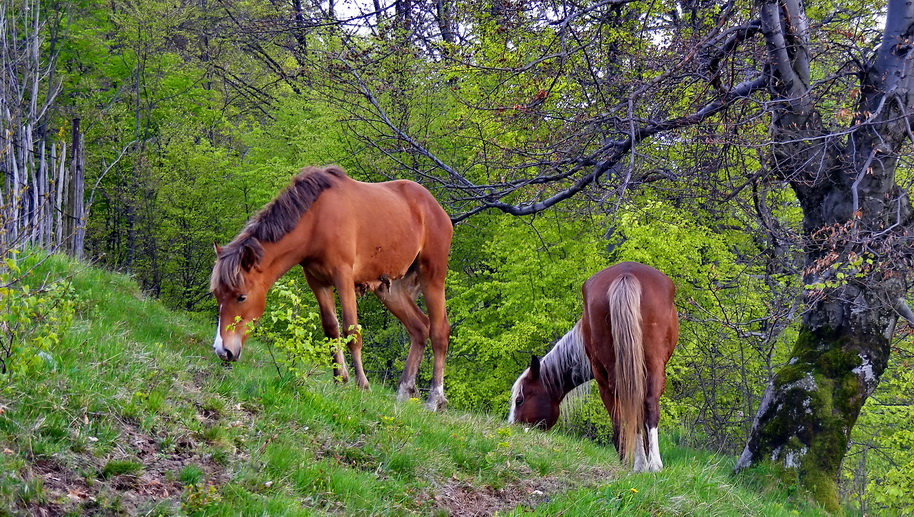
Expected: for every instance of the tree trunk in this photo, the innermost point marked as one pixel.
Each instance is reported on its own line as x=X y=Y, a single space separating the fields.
x=28 y=89
x=857 y=225
x=77 y=216
x=804 y=421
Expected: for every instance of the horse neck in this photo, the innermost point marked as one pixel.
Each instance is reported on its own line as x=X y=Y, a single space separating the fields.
x=280 y=256
x=566 y=366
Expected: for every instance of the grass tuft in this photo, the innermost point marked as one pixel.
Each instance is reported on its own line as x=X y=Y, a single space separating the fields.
x=121 y=468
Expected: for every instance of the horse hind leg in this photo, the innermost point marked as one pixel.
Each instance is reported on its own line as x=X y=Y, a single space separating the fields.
x=642 y=464
x=652 y=420
x=640 y=461
x=399 y=299
x=432 y=275
x=654 y=463
x=608 y=396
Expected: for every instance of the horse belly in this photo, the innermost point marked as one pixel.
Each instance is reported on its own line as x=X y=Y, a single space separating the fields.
x=382 y=262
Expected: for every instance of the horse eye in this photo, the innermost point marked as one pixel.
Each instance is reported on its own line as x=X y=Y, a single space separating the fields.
x=519 y=401
x=242 y=298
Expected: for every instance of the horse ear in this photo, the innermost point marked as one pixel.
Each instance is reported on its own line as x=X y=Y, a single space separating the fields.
x=248 y=257
x=217 y=247
x=534 y=368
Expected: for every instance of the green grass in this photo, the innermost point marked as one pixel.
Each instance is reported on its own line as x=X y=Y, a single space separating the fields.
x=138 y=417
x=691 y=483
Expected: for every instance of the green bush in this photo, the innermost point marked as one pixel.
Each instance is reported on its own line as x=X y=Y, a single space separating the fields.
x=292 y=329
x=34 y=313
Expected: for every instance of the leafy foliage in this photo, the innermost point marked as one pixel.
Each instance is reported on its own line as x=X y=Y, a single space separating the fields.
x=34 y=315
x=514 y=289
x=294 y=330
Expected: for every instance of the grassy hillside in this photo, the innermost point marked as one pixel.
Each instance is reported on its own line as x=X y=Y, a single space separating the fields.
x=133 y=414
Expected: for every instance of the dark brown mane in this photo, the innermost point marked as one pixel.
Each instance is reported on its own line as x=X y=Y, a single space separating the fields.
x=272 y=223
x=281 y=215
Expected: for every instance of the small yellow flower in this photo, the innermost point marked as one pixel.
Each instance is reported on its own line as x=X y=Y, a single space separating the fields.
x=634 y=490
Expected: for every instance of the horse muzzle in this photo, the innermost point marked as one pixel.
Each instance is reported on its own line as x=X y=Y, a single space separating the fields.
x=228 y=350
x=226 y=354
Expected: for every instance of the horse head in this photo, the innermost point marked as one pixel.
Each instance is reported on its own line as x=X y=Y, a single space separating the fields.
x=240 y=289
x=531 y=400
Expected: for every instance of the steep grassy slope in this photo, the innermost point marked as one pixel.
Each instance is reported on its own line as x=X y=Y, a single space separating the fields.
x=133 y=414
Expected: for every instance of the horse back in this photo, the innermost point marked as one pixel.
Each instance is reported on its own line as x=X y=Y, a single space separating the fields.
x=660 y=326
x=406 y=204
x=377 y=229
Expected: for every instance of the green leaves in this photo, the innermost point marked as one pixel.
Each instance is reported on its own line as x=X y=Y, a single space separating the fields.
x=32 y=320
x=514 y=289
x=294 y=330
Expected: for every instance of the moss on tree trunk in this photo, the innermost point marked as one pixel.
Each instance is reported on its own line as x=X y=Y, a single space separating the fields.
x=803 y=425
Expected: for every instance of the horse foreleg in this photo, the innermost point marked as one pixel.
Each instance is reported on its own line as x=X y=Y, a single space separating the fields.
x=345 y=289
x=400 y=303
x=331 y=326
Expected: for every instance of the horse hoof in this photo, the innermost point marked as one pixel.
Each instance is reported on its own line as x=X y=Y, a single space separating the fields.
x=436 y=404
x=405 y=394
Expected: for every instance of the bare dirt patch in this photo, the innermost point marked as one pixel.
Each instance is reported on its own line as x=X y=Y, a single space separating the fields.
x=77 y=484
x=463 y=499
x=460 y=498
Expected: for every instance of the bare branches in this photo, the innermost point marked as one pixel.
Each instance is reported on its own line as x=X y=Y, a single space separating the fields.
x=617 y=150
x=32 y=162
x=722 y=47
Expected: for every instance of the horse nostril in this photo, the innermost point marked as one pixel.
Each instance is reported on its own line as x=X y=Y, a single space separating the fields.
x=228 y=354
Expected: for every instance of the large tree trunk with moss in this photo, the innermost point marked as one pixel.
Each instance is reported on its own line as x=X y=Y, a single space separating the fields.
x=857 y=225
x=805 y=419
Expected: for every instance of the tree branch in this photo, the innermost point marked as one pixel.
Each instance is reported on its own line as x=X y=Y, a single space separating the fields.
x=617 y=149
x=905 y=311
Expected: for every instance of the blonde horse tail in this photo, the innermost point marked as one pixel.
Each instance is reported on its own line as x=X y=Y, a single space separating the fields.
x=624 y=298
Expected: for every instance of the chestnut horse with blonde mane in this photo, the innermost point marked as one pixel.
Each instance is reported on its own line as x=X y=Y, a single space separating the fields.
x=390 y=238
x=624 y=339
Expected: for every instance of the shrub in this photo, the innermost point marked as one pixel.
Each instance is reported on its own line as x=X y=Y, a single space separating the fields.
x=34 y=313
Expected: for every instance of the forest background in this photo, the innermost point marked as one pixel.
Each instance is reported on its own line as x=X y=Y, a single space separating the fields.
x=561 y=137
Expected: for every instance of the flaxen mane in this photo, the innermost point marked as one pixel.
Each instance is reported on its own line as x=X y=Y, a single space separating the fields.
x=566 y=356
x=272 y=223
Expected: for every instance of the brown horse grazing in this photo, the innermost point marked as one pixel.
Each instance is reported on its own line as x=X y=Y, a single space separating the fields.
x=389 y=238
x=624 y=340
